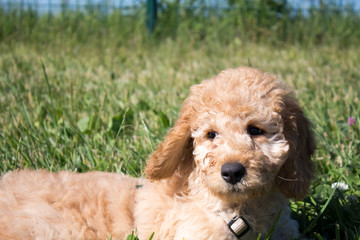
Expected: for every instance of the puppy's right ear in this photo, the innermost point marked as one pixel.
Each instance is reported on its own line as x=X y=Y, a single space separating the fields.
x=295 y=175
x=174 y=152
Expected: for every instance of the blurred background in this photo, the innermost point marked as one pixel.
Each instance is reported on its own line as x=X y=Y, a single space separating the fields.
x=273 y=21
x=95 y=85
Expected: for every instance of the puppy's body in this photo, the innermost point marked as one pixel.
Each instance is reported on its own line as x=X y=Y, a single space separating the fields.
x=42 y=205
x=241 y=147
x=197 y=216
x=97 y=205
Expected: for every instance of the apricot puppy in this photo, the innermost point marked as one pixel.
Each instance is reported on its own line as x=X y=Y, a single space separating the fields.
x=239 y=150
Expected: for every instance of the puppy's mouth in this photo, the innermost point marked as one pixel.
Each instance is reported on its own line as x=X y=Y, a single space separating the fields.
x=234 y=192
x=237 y=188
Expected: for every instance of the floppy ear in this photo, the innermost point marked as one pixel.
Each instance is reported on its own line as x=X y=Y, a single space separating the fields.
x=295 y=175
x=175 y=152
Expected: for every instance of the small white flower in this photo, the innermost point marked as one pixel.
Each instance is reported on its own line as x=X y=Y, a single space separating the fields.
x=340 y=185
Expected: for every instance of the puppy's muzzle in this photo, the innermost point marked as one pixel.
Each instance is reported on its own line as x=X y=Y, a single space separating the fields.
x=232 y=172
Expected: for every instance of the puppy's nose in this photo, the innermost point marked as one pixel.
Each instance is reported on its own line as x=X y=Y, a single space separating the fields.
x=233 y=172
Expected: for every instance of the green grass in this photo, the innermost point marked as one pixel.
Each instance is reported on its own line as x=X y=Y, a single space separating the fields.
x=101 y=98
x=95 y=108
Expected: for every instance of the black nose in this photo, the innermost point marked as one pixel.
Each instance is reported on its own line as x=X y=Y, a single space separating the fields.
x=233 y=172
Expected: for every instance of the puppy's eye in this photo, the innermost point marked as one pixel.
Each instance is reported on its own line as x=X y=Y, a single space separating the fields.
x=254 y=131
x=211 y=135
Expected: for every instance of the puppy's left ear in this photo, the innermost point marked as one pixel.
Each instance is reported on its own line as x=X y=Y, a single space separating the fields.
x=175 y=152
x=295 y=175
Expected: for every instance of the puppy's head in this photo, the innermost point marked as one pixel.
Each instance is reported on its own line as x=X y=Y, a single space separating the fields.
x=242 y=134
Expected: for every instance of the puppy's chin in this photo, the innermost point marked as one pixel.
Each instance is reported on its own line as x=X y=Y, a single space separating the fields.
x=242 y=191
x=235 y=193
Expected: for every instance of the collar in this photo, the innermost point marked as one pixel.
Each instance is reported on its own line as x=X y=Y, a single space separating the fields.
x=238 y=226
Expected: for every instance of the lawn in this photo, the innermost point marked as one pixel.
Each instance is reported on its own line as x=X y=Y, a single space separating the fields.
x=101 y=105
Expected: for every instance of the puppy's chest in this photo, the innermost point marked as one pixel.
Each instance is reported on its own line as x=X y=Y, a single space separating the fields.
x=197 y=223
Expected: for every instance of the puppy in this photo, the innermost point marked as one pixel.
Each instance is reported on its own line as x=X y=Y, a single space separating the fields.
x=239 y=150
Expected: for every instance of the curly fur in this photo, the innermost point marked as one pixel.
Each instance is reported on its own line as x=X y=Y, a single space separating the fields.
x=185 y=190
